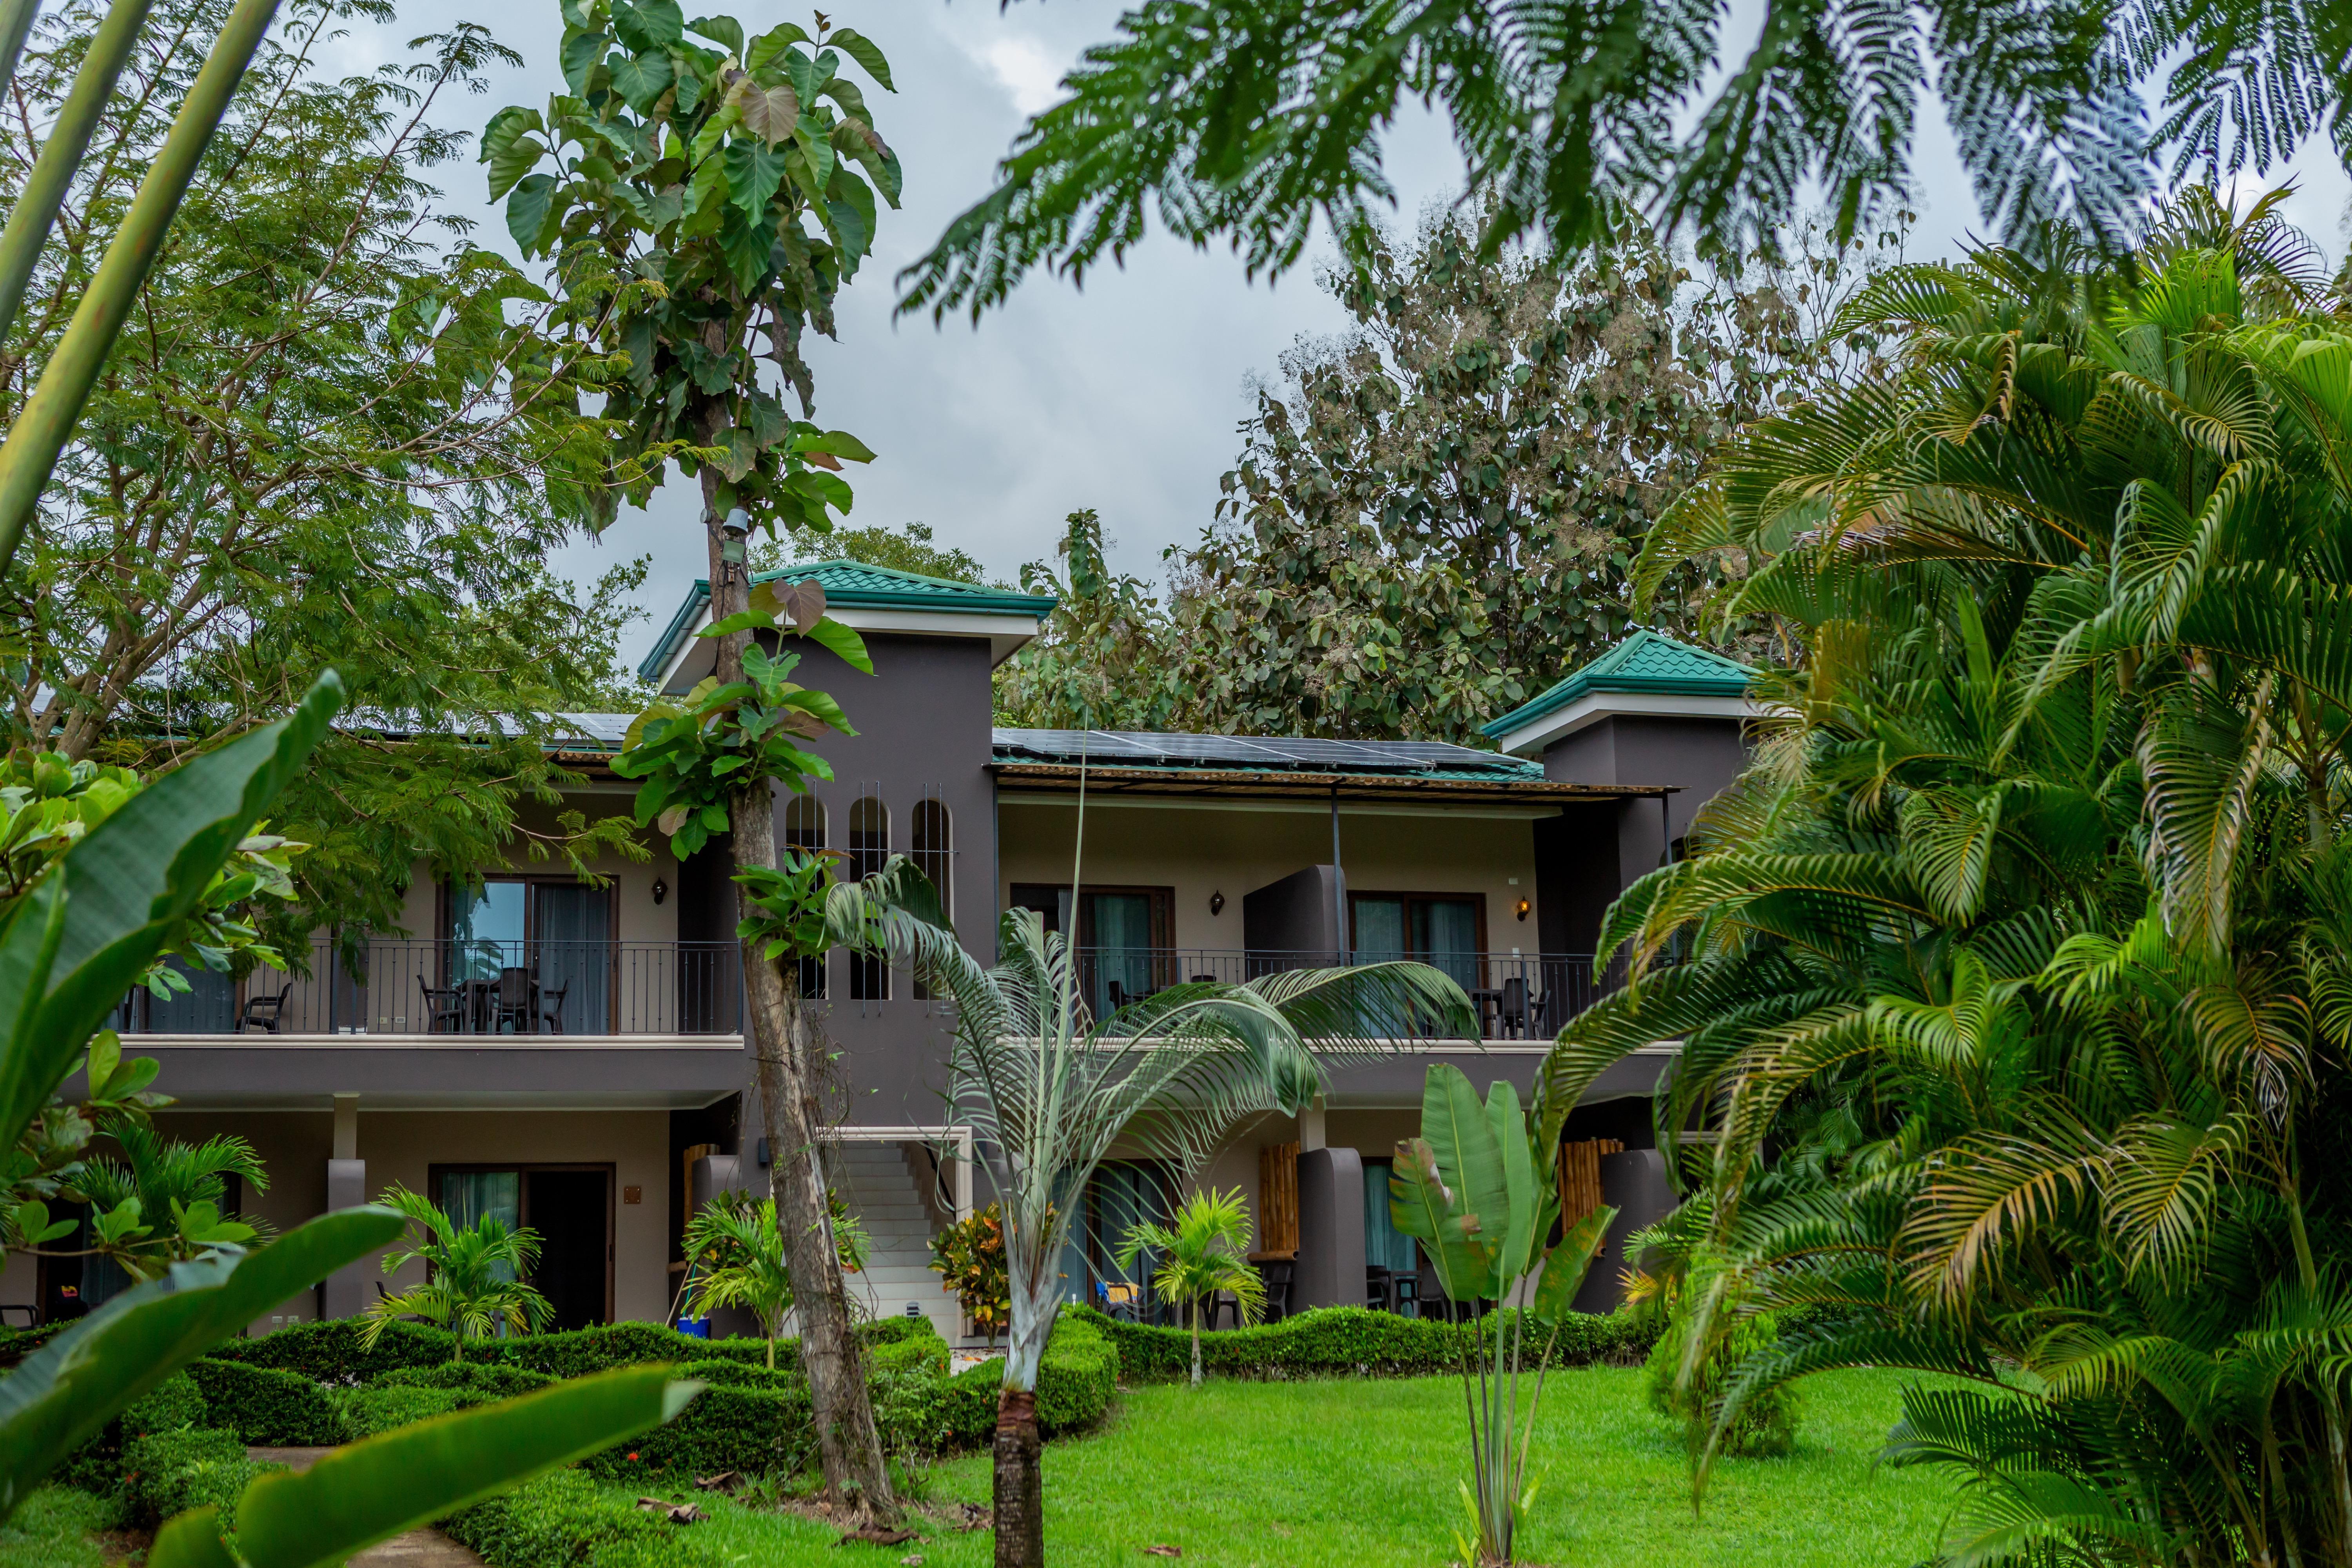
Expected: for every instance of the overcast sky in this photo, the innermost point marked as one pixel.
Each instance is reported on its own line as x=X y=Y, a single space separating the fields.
x=1124 y=397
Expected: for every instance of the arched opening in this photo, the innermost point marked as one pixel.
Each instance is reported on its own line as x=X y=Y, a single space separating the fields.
x=869 y=847
x=934 y=856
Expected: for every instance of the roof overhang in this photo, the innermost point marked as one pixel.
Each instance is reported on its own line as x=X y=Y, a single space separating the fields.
x=1206 y=783
x=686 y=657
x=1528 y=740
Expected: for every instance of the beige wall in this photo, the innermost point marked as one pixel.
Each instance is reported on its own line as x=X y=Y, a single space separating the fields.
x=403 y=1145
x=1198 y=849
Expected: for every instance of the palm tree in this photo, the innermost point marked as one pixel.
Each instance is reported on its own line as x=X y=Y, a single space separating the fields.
x=738 y=1249
x=477 y=1285
x=1203 y=1250
x=162 y=1202
x=2013 y=991
x=1048 y=1088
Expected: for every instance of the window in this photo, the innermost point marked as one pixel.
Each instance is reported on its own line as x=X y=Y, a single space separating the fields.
x=1385 y=1247
x=571 y=1208
x=934 y=854
x=804 y=829
x=1126 y=950
x=869 y=847
x=1445 y=931
x=1122 y=1194
x=532 y=954
x=935 y=851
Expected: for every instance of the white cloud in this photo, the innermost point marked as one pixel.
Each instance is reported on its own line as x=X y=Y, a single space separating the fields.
x=1025 y=69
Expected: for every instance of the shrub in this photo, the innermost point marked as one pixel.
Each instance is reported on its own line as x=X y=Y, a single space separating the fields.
x=16 y=1344
x=565 y=1521
x=759 y=1431
x=170 y=1472
x=330 y=1353
x=263 y=1404
x=487 y=1378
x=383 y=1408
x=171 y=1405
x=1075 y=1379
x=1350 y=1341
x=740 y=1374
x=1767 y=1424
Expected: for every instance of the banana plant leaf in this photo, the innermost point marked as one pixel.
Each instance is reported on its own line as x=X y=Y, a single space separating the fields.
x=71 y=951
x=373 y=1491
x=1450 y=1189
x=1530 y=1202
x=70 y=1388
x=1566 y=1264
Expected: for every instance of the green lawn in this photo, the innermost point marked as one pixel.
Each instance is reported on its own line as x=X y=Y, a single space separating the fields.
x=52 y=1530
x=1364 y=1473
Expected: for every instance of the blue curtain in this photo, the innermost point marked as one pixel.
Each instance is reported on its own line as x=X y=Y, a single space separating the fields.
x=1122 y=936
x=1385 y=1247
x=467 y=1196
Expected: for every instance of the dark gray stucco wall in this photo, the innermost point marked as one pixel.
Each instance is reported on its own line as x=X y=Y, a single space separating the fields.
x=1298 y=913
x=1330 y=1269
x=922 y=719
x=1589 y=854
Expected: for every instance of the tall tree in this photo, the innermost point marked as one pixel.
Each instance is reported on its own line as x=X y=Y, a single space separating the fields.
x=1246 y=121
x=704 y=205
x=2045 y=880
x=337 y=435
x=1433 y=516
x=1101 y=660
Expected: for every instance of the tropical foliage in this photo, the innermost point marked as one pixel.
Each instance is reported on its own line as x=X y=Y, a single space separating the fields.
x=1103 y=660
x=1249 y=121
x=2023 y=938
x=735 y=1257
x=479 y=1281
x=1052 y=1087
x=1480 y=1189
x=165 y=1201
x=409 y=450
x=1201 y=1253
x=969 y=1259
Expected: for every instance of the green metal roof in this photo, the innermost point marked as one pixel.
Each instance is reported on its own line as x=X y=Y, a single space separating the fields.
x=1646 y=662
x=854 y=584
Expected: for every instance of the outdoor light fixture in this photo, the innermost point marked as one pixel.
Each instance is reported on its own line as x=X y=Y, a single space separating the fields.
x=661 y=891
x=1523 y=907
x=737 y=528
x=1216 y=903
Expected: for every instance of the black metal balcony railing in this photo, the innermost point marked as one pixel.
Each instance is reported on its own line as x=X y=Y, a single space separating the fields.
x=1520 y=996
x=403 y=987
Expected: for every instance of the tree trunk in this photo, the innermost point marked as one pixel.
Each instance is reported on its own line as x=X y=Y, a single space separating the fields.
x=1019 y=1482
x=782 y=1046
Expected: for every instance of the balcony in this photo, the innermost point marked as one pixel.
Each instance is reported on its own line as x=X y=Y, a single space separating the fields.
x=1520 y=996
x=399 y=987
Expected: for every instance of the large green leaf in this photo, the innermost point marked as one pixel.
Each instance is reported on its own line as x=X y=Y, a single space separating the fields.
x=125 y=889
x=861 y=48
x=1456 y=1127
x=1566 y=1264
x=642 y=79
x=1424 y=1206
x=373 y=1491
x=80 y=1381
x=1520 y=1229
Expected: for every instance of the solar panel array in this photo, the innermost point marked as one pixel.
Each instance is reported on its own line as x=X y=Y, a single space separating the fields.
x=1145 y=749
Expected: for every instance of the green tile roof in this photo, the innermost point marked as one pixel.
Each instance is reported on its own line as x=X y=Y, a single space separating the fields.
x=1646 y=662
x=854 y=584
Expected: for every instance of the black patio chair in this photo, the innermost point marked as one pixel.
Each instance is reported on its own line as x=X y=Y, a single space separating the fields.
x=1276 y=1273
x=1376 y=1289
x=1512 y=1014
x=445 y=1008
x=264 y=1011
x=516 y=995
x=551 y=1007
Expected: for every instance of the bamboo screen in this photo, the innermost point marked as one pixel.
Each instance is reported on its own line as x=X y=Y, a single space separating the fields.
x=1277 y=1198
x=1580 y=1176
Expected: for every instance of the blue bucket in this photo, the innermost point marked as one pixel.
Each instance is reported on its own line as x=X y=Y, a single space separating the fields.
x=695 y=1328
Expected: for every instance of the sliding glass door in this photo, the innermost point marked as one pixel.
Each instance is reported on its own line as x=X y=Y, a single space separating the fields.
x=532 y=957
x=571 y=1209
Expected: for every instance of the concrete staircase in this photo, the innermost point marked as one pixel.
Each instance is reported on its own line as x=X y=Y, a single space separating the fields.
x=877 y=1182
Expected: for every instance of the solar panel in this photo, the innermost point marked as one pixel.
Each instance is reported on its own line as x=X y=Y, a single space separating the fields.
x=1142 y=747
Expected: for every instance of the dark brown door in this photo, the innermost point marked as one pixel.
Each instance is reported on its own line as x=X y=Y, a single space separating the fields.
x=573 y=1212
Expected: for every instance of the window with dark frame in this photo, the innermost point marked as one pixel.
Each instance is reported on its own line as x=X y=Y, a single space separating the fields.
x=1125 y=939
x=934 y=857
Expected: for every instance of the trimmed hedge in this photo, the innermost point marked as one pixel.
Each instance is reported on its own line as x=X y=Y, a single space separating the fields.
x=385 y=1407
x=171 y=1472
x=472 y=1376
x=758 y=1431
x=1353 y=1341
x=264 y=1405
x=173 y=1404
x=332 y=1353
x=1077 y=1378
x=565 y=1521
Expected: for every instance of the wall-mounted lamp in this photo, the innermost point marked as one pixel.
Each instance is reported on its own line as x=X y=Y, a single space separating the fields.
x=1216 y=903
x=735 y=528
x=661 y=891
x=1523 y=908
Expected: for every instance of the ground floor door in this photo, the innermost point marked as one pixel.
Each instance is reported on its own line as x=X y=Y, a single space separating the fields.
x=570 y=1208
